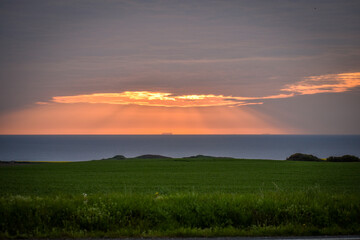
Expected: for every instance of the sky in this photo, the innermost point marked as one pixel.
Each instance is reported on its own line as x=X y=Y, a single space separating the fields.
x=181 y=67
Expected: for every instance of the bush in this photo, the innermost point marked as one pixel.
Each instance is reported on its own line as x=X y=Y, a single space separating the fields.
x=200 y=156
x=303 y=157
x=345 y=158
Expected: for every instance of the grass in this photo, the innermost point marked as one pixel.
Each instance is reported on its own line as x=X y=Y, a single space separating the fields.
x=177 y=175
x=277 y=213
x=179 y=197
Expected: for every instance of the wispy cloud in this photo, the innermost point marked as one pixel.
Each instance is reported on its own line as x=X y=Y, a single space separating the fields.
x=331 y=83
x=156 y=99
x=227 y=60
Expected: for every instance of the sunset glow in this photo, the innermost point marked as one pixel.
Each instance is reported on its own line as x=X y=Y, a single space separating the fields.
x=146 y=112
x=311 y=85
x=83 y=118
x=331 y=83
x=155 y=99
x=182 y=67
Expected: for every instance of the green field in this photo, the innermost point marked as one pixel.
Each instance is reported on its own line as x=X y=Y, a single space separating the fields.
x=179 y=197
x=178 y=175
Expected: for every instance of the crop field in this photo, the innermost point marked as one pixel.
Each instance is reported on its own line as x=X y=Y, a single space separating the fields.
x=179 y=197
x=147 y=176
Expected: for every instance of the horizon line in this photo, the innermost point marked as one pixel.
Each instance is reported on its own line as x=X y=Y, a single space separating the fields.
x=203 y=134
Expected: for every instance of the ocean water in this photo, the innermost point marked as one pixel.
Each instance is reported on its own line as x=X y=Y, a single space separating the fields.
x=85 y=147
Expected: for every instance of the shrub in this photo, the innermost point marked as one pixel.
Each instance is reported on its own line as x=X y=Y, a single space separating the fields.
x=303 y=157
x=345 y=158
x=82 y=216
x=200 y=156
x=151 y=156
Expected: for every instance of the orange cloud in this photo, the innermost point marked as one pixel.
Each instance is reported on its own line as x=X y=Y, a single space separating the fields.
x=156 y=99
x=310 y=85
x=331 y=83
x=138 y=112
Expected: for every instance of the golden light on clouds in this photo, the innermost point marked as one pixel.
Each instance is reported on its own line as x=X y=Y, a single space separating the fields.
x=331 y=83
x=146 y=112
x=155 y=99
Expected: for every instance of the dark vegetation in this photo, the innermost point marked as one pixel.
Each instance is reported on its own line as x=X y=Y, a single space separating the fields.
x=188 y=214
x=155 y=156
x=303 y=157
x=119 y=157
x=204 y=156
x=345 y=158
x=312 y=158
x=151 y=156
x=293 y=157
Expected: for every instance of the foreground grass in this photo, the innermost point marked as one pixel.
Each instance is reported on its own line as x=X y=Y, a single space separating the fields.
x=274 y=213
x=179 y=197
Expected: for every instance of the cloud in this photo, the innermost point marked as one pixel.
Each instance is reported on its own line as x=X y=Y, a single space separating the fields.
x=226 y=60
x=155 y=99
x=331 y=83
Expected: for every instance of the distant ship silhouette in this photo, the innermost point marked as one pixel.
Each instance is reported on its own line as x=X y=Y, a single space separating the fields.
x=167 y=133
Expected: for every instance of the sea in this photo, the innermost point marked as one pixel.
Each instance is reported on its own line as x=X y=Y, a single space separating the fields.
x=94 y=147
